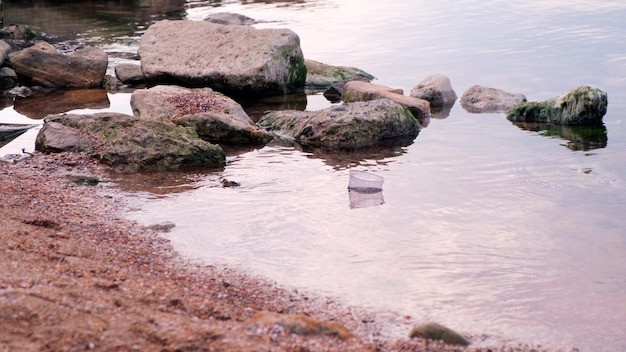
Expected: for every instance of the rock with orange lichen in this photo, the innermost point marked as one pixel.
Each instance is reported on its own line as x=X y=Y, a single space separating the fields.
x=215 y=117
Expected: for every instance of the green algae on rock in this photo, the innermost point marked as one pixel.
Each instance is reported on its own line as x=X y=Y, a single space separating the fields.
x=583 y=105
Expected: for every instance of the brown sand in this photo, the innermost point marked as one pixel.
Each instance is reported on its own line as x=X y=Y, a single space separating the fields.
x=76 y=275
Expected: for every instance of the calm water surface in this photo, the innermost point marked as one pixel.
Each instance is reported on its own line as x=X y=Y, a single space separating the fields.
x=486 y=227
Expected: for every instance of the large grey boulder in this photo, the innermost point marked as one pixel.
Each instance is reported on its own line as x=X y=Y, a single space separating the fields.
x=365 y=91
x=234 y=60
x=437 y=89
x=351 y=125
x=42 y=65
x=479 y=99
x=322 y=76
x=127 y=143
x=215 y=117
x=583 y=105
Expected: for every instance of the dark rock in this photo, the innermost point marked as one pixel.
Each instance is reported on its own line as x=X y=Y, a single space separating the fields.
x=42 y=65
x=236 y=60
x=128 y=143
x=8 y=78
x=434 y=331
x=22 y=32
x=583 y=105
x=478 y=99
x=351 y=125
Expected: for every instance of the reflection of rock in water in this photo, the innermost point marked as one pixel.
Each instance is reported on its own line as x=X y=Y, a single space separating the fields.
x=577 y=137
x=363 y=198
x=43 y=103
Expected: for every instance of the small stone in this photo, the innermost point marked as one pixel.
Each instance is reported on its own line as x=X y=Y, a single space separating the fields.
x=434 y=331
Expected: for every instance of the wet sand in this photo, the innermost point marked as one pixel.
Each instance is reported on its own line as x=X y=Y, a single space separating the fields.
x=77 y=275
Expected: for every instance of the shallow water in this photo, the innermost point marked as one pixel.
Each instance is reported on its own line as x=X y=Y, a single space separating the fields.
x=483 y=226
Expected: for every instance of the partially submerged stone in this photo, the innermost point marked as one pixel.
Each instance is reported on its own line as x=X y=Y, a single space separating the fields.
x=478 y=99
x=438 y=332
x=364 y=91
x=42 y=65
x=322 y=76
x=127 y=143
x=583 y=105
x=229 y=18
x=351 y=125
x=235 y=60
x=215 y=117
x=437 y=89
x=263 y=321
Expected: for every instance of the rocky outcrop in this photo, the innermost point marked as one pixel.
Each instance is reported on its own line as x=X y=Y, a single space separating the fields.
x=127 y=143
x=129 y=74
x=214 y=116
x=235 y=60
x=437 y=89
x=583 y=105
x=321 y=76
x=351 y=125
x=478 y=99
x=42 y=65
x=365 y=91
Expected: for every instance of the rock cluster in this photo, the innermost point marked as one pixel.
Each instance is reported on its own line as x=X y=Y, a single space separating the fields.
x=195 y=67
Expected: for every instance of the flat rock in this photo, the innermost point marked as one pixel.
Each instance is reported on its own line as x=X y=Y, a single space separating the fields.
x=235 y=60
x=479 y=99
x=127 y=143
x=322 y=76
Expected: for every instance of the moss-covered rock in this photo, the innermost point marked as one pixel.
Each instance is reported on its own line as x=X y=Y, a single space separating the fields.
x=128 y=143
x=353 y=125
x=320 y=76
x=583 y=105
x=434 y=331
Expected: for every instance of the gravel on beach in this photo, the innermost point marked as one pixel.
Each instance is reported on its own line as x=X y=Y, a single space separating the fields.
x=77 y=275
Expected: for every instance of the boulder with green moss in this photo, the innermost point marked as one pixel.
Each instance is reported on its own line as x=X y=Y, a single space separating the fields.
x=351 y=125
x=127 y=143
x=322 y=76
x=583 y=105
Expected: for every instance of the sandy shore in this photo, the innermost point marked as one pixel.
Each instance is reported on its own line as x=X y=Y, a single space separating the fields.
x=77 y=275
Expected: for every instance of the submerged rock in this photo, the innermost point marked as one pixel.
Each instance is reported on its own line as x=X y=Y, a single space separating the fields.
x=127 y=143
x=434 y=331
x=229 y=18
x=237 y=60
x=42 y=65
x=583 y=105
x=351 y=125
x=215 y=117
x=478 y=99
x=296 y=324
